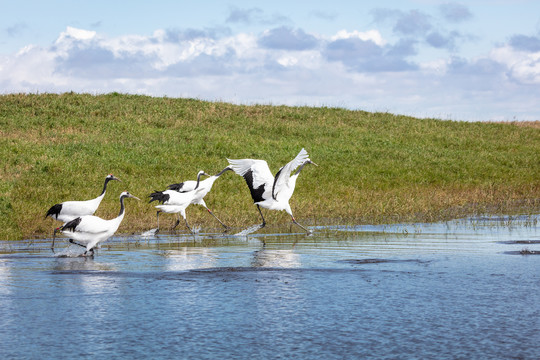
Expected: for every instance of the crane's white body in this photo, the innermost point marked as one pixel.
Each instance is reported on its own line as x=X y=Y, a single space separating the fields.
x=93 y=230
x=204 y=188
x=194 y=191
x=89 y=230
x=177 y=202
x=74 y=209
x=173 y=202
x=69 y=210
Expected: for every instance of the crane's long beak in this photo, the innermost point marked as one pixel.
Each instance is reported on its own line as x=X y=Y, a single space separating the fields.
x=133 y=196
x=312 y=163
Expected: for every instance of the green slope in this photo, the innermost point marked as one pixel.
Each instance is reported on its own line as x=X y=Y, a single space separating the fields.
x=374 y=167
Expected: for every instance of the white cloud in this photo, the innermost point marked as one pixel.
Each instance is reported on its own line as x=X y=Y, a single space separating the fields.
x=523 y=66
x=77 y=34
x=287 y=61
x=371 y=35
x=348 y=69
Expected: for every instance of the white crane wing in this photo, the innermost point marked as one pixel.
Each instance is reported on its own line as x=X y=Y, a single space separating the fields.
x=259 y=168
x=257 y=175
x=283 y=175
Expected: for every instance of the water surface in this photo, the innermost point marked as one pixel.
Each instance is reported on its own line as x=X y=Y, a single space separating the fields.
x=460 y=289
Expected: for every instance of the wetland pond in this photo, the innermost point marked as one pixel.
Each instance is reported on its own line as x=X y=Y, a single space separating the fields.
x=467 y=289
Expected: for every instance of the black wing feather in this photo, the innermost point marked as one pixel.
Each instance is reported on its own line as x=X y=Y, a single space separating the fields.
x=256 y=193
x=274 y=185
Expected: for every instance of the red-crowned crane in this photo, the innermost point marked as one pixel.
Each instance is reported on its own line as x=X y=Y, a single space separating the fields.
x=271 y=192
x=69 y=210
x=89 y=230
x=203 y=189
x=175 y=202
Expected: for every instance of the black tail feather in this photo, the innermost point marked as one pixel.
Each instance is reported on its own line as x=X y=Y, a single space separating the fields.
x=54 y=211
x=71 y=225
x=159 y=196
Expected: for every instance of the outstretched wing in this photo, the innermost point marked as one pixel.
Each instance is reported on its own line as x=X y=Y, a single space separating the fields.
x=282 y=177
x=257 y=175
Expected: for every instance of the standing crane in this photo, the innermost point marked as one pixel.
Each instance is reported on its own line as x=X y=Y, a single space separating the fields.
x=68 y=210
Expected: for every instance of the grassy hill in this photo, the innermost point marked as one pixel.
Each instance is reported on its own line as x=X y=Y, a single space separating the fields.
x=374 y=167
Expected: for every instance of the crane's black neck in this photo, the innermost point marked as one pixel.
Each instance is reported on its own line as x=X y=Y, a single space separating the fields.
x=107 y=179
x=222 y=171
x=300 y=168
x=122 y=207
x=198 y=180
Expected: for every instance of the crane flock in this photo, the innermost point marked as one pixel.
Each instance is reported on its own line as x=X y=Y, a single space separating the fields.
x=267 y=191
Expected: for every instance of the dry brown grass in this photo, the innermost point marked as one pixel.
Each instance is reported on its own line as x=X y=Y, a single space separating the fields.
x=531 y=124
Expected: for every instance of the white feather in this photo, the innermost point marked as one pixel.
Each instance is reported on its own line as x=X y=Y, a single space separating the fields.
x=283 y=181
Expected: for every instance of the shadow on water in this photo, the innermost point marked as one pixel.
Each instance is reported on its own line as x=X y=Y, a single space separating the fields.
x=382 y=261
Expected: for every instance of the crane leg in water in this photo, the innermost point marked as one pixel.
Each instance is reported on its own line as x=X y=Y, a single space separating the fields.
x=76 y=243
x=262 y=217
x=188 y=226
x=177 y=222
x=296 y=222
x=88 y=253
x=221 y=222
x=54 y=237
x=157 y=215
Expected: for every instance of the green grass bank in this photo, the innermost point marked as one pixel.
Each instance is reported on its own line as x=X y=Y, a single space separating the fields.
x=373 y=167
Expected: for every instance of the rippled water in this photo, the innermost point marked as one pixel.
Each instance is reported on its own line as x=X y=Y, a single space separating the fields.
x=462 y=289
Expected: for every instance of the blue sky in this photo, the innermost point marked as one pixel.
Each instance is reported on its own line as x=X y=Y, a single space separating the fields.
x=469 y=60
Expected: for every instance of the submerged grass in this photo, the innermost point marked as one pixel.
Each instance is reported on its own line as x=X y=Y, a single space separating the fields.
x=374 y=167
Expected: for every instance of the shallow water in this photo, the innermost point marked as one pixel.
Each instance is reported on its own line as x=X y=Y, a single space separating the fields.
x=461 y=289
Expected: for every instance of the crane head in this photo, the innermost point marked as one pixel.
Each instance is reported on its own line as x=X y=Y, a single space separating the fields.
x=112 y=177
x=127 y=194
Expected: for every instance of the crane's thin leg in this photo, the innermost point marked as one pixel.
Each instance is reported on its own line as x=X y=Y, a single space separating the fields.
x=211 y=213
x=177 y=222
x=262 y=217
x=54 y=237
x=294 y=221
x=89 y=253
x=157 y=215
x=76 y=243
x=188 y=226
